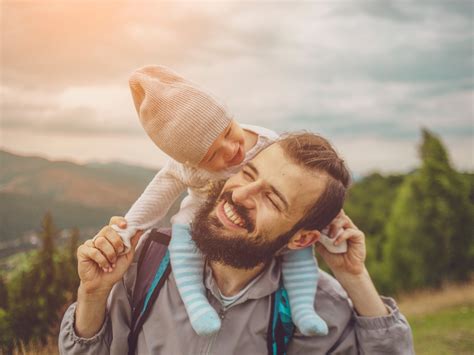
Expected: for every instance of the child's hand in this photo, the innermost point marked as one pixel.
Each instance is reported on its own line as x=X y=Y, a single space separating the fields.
x=118 y=221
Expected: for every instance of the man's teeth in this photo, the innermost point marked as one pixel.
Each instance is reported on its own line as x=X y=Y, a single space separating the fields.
x=232 y=215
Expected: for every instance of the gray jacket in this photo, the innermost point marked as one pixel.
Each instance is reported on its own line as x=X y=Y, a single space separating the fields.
x=244 y=324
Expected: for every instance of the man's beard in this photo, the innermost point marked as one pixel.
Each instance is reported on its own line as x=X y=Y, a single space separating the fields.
x=239 y=251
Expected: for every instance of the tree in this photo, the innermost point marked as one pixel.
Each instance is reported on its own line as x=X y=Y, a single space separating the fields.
x=3 y=293
x=36 y=294
x=369 y=204
x=428 y=235
x=68 y=277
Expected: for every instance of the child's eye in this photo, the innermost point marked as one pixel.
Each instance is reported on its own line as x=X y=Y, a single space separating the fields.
x=228 y=133
x=247 y=174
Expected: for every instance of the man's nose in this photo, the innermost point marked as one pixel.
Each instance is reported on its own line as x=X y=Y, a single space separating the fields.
x=245 y=195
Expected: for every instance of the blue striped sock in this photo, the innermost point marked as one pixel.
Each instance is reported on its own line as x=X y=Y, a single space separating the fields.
x=188 y=265
x=300 y=278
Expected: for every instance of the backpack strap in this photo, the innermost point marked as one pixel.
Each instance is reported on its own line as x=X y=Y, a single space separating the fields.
x=280 y=327
x=153 y=269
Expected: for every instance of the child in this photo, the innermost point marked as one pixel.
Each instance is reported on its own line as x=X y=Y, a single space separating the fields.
x=205 y=145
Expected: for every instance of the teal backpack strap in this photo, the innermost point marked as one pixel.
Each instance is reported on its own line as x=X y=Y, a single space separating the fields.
x=280 y=327
x=152 y=271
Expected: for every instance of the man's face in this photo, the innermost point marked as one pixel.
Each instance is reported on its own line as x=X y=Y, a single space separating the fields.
x=253 y=215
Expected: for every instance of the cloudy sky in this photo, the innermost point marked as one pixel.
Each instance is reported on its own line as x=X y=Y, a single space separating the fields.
x=366 y=74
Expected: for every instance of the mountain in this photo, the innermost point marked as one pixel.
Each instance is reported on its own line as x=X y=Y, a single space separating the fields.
x=83 y=196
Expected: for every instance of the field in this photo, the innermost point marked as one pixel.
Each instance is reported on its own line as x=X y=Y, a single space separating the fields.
x=442 y=321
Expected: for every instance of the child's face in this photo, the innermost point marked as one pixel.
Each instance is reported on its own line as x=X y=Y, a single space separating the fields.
x=226 y=151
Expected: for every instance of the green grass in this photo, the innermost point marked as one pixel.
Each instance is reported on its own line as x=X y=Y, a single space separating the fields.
x=450 y=331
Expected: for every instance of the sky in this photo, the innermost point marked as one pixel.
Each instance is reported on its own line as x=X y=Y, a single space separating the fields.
x=367 y=75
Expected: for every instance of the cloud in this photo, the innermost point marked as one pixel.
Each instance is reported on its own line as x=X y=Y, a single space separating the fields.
x=451 y=61
x=349 y=70
x=64 y=43
x=93 y=110
x=387 y=10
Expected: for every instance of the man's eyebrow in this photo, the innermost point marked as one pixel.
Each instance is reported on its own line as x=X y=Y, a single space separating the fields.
x=252 y=167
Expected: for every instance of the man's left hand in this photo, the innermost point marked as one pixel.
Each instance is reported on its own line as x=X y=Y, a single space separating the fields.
x=352 y=261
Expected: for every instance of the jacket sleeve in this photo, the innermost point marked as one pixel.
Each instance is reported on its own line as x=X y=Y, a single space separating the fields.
x=70 y=343
x=112 y=337
x=350 y=333
x=390 y=334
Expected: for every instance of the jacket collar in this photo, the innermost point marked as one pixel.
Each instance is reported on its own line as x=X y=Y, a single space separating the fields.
x=265 y=283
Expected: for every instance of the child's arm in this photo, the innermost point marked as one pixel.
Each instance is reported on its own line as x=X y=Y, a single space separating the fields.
x=155 y=201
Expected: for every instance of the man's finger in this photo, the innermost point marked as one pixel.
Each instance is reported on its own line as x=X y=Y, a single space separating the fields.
x=350 y=224
x=350 y=233
x=118 y=221
x=93 y=254
x=348 y=221
x=336 y=225
x=114 y=239
x=106 y=248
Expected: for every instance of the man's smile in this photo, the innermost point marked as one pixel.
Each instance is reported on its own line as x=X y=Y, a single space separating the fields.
x=228 y=216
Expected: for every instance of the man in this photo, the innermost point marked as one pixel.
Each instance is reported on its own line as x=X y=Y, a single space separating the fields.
x=279 y=201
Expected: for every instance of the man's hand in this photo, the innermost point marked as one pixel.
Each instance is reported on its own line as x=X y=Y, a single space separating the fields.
x=99 y=267
x=349 y=268
x=99 y=263
x=352 y=261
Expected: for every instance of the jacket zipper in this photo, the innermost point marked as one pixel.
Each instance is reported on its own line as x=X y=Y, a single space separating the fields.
x=214 y=337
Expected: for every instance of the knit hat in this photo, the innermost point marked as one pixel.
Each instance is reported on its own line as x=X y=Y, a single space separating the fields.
x=179 y=117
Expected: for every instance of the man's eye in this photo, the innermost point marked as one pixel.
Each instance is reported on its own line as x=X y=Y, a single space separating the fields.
x=272 y=202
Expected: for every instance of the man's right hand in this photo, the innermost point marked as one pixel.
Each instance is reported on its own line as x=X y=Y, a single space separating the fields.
x=99 y=263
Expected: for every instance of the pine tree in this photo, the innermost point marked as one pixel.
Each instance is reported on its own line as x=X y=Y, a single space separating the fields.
x=47 y=287
x=69 y=266
x=5 y=329
x=428 y=233
x=36 y=294
x=3 y=293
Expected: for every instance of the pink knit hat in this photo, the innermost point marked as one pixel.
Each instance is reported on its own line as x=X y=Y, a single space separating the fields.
x=179 y=117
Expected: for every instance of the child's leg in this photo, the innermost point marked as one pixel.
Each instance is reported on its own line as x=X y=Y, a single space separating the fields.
x=187 y=267
x=300 y=278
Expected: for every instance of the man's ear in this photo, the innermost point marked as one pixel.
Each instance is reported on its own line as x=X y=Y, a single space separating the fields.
x=303 y=239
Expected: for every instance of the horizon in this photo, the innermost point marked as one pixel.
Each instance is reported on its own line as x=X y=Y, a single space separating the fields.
x=356 y=176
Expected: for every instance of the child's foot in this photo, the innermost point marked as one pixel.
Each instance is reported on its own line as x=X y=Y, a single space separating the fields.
x=311 y=324
x=207 y=323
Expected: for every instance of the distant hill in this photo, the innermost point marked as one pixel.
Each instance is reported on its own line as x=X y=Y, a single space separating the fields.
x=83 y=196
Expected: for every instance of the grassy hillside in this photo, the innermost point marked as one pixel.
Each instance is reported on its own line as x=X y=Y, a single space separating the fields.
x=442 y=321
x=448 y=332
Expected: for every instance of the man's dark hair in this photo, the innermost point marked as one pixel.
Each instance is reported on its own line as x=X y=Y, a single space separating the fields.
x=315 y=153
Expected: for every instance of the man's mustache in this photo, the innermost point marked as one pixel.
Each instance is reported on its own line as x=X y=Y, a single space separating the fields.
x=241 y=210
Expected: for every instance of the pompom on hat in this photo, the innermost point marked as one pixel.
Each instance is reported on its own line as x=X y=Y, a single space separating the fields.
x=180 y=118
